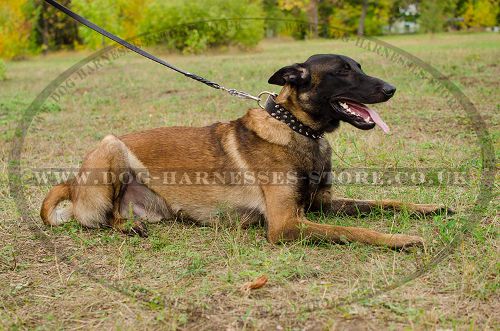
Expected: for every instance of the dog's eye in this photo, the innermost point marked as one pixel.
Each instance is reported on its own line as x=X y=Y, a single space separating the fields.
x=345 y=70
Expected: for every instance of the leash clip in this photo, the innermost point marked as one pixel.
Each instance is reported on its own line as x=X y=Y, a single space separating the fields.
x=245 y=95
x=239 y=94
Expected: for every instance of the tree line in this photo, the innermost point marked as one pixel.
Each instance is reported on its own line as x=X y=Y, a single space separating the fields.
x=32 y=26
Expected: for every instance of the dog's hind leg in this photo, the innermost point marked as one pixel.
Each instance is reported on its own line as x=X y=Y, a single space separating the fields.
x=323 y=201
x=96 y=191
x=97 y=184
x=138 y=204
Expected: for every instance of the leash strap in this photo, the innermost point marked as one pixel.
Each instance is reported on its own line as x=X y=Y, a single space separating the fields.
x=139 y=51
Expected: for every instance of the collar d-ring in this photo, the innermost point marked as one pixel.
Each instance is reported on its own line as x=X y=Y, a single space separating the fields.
x=260 y=98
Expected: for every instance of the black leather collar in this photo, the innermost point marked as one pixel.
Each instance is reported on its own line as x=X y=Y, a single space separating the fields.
x=281 y=114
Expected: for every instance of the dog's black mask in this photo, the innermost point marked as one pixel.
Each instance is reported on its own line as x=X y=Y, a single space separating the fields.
x=333 y=88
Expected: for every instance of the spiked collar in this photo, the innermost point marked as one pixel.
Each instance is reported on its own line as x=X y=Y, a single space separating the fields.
x=281 y=114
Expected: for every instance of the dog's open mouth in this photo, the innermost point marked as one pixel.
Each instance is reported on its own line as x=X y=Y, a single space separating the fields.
x=359 y=115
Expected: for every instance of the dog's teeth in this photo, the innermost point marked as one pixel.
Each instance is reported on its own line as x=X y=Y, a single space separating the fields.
x=344 y=105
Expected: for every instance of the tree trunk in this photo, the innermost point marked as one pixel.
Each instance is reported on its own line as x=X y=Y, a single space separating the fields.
x=45 y=29
x=361 y=25
x=313 y=17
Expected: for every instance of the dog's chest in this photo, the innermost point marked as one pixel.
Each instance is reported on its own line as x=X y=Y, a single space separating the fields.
x=313 y=163
x=313 y=156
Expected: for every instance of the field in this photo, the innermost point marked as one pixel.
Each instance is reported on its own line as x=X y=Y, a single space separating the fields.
x=184 y=276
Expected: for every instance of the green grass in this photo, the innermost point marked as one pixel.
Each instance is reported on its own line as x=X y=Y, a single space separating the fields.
x=188 y=277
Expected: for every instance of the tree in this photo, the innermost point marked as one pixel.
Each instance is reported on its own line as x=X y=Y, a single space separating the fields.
x=313 y=15
x=361 y=24
x=432 y=16
x=52 y=29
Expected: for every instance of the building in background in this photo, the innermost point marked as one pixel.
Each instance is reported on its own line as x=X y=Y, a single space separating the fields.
x=406 y=21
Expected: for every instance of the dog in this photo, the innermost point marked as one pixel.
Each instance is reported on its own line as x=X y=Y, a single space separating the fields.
x=284 y=139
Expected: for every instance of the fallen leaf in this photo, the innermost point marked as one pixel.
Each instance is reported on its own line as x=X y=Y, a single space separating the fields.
x=255 y=284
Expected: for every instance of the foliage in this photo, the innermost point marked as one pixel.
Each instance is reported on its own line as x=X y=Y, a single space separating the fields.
x=377 y=17
x=292 y=15
x=121 y=17
x=307 y=11
x=458 y=14
x=16 y=24
x=481 y=13
x=293 y=4
x=346 y=16
x=192 y=27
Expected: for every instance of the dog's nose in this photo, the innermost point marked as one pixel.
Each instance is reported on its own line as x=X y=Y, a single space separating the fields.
x=388 y=90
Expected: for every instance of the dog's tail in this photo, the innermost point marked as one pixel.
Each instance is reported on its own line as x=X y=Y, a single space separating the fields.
x=49 y=213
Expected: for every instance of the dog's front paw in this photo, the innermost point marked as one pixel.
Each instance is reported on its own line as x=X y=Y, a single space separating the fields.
x=131 y=227
x=401 y=241
x=139 y=228
x=432 y=209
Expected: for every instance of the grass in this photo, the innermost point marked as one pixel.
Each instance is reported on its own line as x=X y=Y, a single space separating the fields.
x=185 y=276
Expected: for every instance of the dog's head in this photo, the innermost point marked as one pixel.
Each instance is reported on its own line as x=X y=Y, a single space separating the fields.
x=327 y=89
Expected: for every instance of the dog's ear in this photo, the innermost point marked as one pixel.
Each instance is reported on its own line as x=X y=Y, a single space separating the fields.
x=296 y=74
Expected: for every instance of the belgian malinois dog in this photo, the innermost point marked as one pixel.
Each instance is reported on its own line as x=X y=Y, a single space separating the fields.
x=284 y=139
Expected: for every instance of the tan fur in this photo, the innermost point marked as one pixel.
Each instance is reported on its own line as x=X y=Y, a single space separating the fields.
x=267 y=127
x=248 y=196
x=289 y=98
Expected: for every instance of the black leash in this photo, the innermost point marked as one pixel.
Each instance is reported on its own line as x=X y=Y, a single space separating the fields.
x=139 y=51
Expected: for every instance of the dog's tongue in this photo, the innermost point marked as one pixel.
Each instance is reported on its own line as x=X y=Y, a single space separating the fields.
x=378 y=120
x=362 y=109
